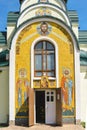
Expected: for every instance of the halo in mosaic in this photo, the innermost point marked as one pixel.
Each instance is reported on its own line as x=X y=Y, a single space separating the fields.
x=44 y=28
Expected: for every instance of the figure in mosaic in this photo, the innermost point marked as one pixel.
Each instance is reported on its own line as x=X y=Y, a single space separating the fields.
x=44 y=82
x=44 y=28
x=70 y=87
x=22 y=87
x=67 y=88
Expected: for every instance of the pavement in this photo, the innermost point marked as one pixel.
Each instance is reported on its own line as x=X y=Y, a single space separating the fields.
x=44 y=127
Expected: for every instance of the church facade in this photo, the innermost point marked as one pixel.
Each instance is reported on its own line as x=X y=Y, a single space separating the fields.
x=42 y=65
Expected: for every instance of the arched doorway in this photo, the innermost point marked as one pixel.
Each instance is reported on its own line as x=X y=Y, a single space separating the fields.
x=44 y=66
x=28 y=65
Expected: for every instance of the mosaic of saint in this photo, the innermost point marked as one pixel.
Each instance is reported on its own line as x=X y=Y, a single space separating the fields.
x=44 y=29
x=67 y=91
x=22 y=87
x=44 y=82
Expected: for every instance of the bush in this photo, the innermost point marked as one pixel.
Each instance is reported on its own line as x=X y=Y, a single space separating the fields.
x=83 y=124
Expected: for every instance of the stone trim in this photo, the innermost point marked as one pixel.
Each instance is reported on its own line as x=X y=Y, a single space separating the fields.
x=11 y=122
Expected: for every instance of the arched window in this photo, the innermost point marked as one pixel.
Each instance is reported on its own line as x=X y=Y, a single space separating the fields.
x=44 y=59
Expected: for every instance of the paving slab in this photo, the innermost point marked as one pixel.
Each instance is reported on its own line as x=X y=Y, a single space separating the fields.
x=44 y=127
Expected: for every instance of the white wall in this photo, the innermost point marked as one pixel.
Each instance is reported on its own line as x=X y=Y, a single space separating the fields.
x=83 y=80
x=77 y=87
x=31 y=12
x=4 y=94
x=27 y=3
x=10 y=31
x=75 y=29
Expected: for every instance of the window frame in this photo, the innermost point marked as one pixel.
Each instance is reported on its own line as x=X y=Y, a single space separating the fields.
x=44 y=52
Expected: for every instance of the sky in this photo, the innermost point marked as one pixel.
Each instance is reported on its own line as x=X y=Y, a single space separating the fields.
x=13 y=5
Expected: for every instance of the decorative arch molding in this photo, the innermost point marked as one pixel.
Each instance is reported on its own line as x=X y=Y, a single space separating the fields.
x=32 y=57
x=45 y=19
x=25 y=4
x=12 y=61
x=54 y=8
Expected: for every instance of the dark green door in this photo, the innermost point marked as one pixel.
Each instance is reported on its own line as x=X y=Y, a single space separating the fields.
x=40 y=106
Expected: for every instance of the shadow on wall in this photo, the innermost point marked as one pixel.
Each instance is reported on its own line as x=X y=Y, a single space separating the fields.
x=5 y=124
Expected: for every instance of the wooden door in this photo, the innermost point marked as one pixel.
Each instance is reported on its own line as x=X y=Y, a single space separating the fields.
x=31 y=107
x=59 y=106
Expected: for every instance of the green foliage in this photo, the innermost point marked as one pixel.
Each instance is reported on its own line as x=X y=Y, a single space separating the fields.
x=83 y=124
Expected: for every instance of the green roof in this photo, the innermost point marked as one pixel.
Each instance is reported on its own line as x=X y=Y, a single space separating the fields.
x=3 y=38
x=12 y=17
x=3 y=60
x=5 y=63
x=83 y=40
x=83 y=37
x=73 y=16
x=83 y=58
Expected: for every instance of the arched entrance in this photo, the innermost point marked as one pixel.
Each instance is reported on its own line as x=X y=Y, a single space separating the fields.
x=44 y=67
x=24 y=60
